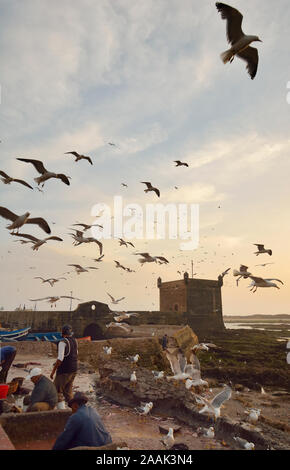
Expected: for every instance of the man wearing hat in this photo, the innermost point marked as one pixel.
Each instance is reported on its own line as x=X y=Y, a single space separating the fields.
x=44 y=394
x=83 y=428
x=66 y=364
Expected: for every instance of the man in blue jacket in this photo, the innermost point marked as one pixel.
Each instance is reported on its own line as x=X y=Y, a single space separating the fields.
x=83 y=428
x=7 y=355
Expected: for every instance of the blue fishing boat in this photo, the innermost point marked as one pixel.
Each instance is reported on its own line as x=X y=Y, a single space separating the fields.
x=53 y=336
x=14 y=335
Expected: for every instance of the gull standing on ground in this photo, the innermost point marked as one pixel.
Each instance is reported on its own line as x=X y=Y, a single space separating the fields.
x=37 y=243
x=150 y=188
x=158 y=374
x=80 y=157
x=244 y=444
x=45 y=174
x=239 y=41
x=260 y=282
x=168 y=440
x=8 y=180
x=214 y=406
x=261 y=249
x=19 y=220
x=107 y=350
x=253 y=415
x=206 y=432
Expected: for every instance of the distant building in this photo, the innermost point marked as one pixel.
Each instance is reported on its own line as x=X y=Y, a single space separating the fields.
x=200 y=299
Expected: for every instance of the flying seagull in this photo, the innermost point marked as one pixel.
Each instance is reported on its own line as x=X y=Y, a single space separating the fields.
x=115 y=301
x=242 y=273
x=261 y=249
x=260 y=282
x=122 y=242
x=80 y=157
x=7 y=180
x=99 y=259
x=239 y=41
x=150 y=188
x=146 y=258
x=37 y=243
x=19 y=220
x=45 y=174
x=214 y=406
x=179 y=163
x=53 y=300
x=86 y=226
x=51 y=281
x=79 y=239
x=79 y=269
x=264 y=264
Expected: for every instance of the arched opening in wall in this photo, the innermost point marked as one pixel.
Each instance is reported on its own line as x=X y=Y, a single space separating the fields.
x=94 y=331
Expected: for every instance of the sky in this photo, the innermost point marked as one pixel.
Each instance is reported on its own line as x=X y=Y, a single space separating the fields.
x=148 y=77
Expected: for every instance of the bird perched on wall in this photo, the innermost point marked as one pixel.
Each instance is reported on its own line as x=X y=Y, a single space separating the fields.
x=261 y=250
x=19 y=220
x=80 y=157
x=239 y=41
x=243 y=444
x=150 y=188
x=168 y=440
x=158 y=374
x=133 y=379
x=242 y=273
x=260 y=282
x=179 y=163
x=206 y=432
x=36 y=242
x=253 y=415
x=45 y=174
x=8 y=180
x=107 y=350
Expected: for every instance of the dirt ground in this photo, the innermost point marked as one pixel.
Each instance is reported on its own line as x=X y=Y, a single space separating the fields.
x=125 y=424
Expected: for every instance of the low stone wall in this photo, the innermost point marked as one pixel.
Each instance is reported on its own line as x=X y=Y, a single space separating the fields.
x=31 y=426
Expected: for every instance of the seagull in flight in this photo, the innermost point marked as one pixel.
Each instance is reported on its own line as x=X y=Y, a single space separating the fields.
x=80 y=157
x=242 y=273
x=122 y=242
x=86 y=226
x=8 y=180
x=99 y=259
x=179 y=163
x=115 y=301
x=79 y=269
x=214 y=406
x=260 y=282
x=261 y=249
x=51 y=281
x=240 y=43
x=53 y=300
x=146 y=258
x=150 y=188
x=45 y=174
x=264 y=264
x=37 y=243
x=19 y=220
